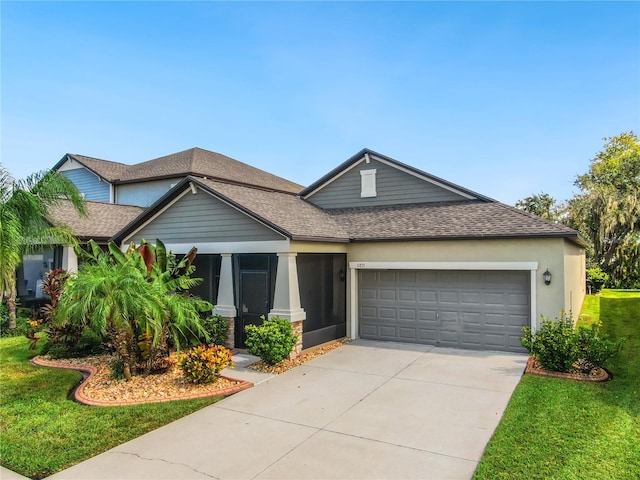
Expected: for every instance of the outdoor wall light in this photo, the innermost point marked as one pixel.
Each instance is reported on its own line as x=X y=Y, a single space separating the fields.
x=547 y=277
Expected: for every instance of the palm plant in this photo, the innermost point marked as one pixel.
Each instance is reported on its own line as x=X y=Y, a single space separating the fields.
x=24 y=229
x=137 y=308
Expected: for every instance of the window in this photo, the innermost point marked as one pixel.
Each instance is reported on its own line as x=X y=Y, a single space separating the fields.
x=368 y=183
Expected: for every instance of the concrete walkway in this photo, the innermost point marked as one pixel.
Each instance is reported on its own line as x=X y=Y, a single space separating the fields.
x=366 y=410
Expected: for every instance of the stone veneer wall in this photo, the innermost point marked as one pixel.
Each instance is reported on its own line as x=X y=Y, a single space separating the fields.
x=297 y=330
x=231 y=342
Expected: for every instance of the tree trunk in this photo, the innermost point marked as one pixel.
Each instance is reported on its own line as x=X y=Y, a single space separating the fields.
x=11 y=307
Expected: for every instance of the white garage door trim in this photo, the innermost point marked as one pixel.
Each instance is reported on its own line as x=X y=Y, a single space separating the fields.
x=355 y=266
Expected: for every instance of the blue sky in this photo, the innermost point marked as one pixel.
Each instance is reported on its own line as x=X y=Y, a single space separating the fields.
x=504 y=98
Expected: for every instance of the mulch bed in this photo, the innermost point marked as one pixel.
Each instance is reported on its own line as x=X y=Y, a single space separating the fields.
x=304 y=357
x=595 y=375
x=98 y=388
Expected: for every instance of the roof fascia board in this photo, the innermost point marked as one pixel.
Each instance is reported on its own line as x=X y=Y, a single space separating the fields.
x=567 y=236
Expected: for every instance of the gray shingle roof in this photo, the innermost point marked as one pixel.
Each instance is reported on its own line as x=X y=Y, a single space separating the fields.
x=293 y=216
x=195 y=161
x=446 y=220
x=108 y=170
x=203 y=163
x=102 y=221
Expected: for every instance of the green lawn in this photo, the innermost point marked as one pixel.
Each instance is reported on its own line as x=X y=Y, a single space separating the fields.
x=563 y=429
x=42 y=432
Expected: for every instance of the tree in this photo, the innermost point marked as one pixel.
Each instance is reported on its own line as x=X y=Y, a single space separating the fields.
x=607 y=209
x=543 y=205
x=24 y=229
x=134 y=300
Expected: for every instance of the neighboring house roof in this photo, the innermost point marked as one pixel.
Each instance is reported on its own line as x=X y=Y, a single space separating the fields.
x=340 y=169
x=446 y=221
x=102 y=220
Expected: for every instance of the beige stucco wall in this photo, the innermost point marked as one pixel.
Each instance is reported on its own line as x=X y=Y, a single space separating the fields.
x=316 y=247
x=574 y=278
x=563 y=259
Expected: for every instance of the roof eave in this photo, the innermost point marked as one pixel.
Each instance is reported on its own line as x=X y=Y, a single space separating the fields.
x=433 y=238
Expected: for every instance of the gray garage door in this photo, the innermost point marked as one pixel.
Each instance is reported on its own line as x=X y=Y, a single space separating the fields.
x=483 y=310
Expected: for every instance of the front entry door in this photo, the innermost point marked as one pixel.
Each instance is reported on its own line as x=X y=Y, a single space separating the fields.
x=254 y=302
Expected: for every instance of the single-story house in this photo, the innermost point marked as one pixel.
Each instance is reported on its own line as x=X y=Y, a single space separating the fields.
x=375 y=249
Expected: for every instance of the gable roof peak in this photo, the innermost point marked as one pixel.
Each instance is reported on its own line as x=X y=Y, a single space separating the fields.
x=367 y=154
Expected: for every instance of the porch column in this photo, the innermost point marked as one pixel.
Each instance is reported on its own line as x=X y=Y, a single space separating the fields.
x=69 y=259
x=226 y=305
x=286 y=302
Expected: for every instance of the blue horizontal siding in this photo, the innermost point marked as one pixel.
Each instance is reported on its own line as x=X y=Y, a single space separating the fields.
x=93 y=188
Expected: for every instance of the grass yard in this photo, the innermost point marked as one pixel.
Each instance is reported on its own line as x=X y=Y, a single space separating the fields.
x=43 y=432
x=563 y=429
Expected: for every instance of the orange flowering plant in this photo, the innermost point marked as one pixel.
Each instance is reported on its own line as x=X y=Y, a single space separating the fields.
x=203 y=364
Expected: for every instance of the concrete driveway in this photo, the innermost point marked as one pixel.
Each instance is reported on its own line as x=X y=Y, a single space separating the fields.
x=366 y=410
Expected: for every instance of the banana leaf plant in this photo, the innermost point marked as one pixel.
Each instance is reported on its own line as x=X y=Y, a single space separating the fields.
x=139 y=298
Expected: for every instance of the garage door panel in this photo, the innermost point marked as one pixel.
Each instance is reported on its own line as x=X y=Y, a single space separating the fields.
x=471 y=298
x=407 y=314
x=427 y=315
x=407 y=295
x=388 y=277
x=408 y=277
x=407 y=334
x=368 y=293
x=518 y=299
x=448 y=296
x=387 y=313
x=427 y=277
x=427 y=296
x=464 y=309
x=387 y=294
x=389 y=332
x=427 y=335
x=368 y=312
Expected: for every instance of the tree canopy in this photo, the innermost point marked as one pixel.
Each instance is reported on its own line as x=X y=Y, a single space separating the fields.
x=607 y=209
x=543 y=205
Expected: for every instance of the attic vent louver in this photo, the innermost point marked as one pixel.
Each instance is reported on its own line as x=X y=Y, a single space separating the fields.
x=368 y=183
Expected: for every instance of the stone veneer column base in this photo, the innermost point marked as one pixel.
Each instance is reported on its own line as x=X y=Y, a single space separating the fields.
x=297 y=330
x=231 y=333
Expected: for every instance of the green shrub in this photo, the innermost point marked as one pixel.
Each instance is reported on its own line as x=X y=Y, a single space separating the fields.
x=22 y=317
x=217 y=329
x=594 y=348
x=203 y=364
x=554 y=345
x=559 y=347
x=272 y=341
x=596 y=279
